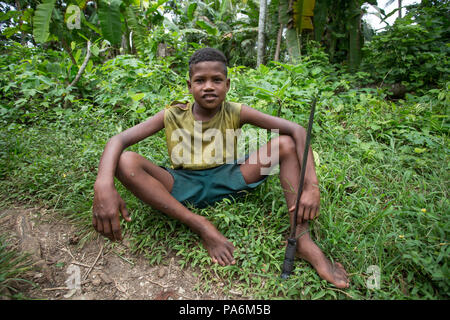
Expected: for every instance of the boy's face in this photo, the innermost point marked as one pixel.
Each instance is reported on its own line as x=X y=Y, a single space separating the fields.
x=208 y=84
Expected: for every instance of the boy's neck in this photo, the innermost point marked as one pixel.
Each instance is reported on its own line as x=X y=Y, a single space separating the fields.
x=203 y=114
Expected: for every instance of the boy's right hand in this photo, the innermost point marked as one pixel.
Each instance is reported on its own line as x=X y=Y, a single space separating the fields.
x=105 y=209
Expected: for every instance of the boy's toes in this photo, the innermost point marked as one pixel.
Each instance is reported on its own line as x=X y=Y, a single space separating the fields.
x=340 y=266
x=218 y=260
x=228 y=257
x=221 y=261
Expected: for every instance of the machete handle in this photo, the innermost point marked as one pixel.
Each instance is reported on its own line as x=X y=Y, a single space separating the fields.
x=288 y=264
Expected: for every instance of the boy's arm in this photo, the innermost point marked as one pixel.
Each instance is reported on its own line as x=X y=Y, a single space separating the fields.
x=107 y=202
x=310 y=195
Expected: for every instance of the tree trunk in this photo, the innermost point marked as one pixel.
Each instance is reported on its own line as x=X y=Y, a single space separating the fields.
x=292 y=34
x=278 y=47
x=354 y=36
x=83 y=66
x=279 y=36
x=68 y=50
x=22 y=34
x=399 y=8
x=261 y=32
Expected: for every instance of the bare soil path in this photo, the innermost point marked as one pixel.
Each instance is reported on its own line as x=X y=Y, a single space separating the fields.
x=67 y=269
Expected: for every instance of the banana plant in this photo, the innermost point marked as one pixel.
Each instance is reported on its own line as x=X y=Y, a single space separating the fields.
x=51 y=21
x=41 y=23
x=297 y=16
x=112 y=20
x=109 y=18
x=337 y=25
x=216 y=24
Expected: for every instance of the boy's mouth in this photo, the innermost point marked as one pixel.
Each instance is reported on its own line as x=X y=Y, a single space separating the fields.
x=209 y=96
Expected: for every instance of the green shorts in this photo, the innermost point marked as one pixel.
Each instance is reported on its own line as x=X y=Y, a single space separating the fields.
x=205 y=187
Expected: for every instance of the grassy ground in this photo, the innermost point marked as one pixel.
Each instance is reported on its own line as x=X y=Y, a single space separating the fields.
x=383 y=170
x=13 y=266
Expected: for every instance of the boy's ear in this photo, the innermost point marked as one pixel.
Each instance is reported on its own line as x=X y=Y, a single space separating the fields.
x=228 y=84
x=189 y=85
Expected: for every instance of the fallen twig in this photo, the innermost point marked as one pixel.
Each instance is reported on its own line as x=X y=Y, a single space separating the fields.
x=81 y=264
x=92 y=266
x=55 y=288
x=158 y=284
x=68 y=251
x=124 y=259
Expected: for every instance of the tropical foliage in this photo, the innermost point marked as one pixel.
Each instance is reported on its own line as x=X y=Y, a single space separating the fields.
x=228 y=25
x=414 y=51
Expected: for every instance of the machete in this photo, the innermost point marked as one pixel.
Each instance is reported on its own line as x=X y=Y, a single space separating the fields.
x=288 y=264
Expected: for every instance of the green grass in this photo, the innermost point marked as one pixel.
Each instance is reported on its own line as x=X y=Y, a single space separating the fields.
x=13 y=266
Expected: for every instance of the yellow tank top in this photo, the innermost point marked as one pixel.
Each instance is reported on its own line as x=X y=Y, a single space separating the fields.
x=198 y=145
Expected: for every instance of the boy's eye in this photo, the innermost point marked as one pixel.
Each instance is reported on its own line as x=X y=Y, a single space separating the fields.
x=215 y=80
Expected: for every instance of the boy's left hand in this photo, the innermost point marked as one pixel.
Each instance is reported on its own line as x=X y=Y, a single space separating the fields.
x=308 y=208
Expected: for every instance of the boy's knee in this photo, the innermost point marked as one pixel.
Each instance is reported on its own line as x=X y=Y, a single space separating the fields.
x=286 y=145
x=127 y=163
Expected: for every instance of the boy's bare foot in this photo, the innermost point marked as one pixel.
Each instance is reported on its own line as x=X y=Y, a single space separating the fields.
x=333 y=273
x=219 y=248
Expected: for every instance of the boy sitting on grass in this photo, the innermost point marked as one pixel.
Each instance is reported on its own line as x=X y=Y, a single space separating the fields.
x=204 y=166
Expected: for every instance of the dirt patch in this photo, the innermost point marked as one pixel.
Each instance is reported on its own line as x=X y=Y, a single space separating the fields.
x=65 y=269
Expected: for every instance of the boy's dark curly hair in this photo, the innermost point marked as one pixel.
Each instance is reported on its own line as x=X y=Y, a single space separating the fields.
x=208 y=54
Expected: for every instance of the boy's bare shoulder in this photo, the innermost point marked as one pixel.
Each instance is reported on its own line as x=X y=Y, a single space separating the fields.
x=179 y=104
x=248 y=112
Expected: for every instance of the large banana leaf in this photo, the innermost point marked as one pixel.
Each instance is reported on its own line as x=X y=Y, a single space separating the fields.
x=303 y=13
x=110 y=20
x=41 y=22
x=297 y=16
x=139 y=32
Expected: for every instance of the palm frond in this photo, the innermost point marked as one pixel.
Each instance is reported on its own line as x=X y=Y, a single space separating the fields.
x=110 y=20
x=41 y=21
x=139 y=32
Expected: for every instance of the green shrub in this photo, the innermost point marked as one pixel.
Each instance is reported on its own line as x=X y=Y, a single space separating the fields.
x=414 y=51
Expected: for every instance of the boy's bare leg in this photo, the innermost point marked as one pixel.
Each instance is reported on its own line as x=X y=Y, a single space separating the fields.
x=153 y=184
x=289 y=178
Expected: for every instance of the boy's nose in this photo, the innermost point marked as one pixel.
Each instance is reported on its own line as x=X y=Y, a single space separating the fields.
x=208 y=86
